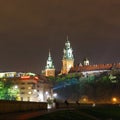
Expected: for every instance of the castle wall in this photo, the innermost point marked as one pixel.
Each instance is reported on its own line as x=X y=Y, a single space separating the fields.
x=95 y=67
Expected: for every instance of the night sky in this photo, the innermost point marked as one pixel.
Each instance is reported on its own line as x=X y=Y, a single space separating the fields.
x=29 y=28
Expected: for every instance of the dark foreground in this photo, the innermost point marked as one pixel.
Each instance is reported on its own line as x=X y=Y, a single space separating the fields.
x=91 y=113
x=98 y=112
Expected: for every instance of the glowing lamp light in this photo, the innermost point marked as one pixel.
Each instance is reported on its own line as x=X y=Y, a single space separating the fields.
x=114 y=99
x=55 y=95
x=84 y=99
x=46 y=93
x=35 y=90
x=15 y=86
x=29 y=92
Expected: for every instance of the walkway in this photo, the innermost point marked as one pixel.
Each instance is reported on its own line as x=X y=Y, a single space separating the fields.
x=32 y=114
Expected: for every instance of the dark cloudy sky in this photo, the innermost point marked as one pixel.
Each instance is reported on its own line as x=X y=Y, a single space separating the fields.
x=29 y=28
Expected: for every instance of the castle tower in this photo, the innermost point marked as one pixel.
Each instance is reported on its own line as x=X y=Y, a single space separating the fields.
x=49 y=68
x=68 y=59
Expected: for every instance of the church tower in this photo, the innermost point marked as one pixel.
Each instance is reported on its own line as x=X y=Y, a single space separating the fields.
x=49 y=68
x=68 y=59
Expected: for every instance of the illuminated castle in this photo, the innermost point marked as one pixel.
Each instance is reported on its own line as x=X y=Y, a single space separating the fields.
x=68 y=64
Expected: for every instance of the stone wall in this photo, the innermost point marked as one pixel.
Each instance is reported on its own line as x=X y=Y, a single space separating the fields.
x=19 y=106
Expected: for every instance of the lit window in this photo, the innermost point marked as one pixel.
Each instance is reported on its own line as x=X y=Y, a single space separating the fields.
x=29 y=92
x=29 y=87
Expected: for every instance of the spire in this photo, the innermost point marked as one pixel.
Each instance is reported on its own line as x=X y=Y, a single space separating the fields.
x=49 y=56
x=49 y=62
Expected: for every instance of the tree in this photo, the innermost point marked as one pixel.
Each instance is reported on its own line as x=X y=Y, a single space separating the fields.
x=8 y=91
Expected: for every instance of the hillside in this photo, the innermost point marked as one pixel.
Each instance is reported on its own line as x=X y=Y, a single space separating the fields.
x=98 y=88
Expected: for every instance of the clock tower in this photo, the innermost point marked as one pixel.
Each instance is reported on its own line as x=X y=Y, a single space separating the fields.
x=68 y=59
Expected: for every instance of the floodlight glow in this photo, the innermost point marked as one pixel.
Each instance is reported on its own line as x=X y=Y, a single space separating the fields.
x=46 y=93
x=55 y=95
x=41 y=97
x=114 y=99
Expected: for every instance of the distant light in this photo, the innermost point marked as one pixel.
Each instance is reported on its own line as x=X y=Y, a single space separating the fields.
x=15 y=86
x=84 y=99
x=93 y=105
x=29 y=92
x=46 y=93
x=25 y=77
x=35 y=90
x=114 y=99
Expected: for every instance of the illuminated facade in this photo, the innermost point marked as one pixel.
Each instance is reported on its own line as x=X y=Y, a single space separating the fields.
x=15 y=74
x=34 y=88
x=49 y=69
x=68 y=59
x=28 y=88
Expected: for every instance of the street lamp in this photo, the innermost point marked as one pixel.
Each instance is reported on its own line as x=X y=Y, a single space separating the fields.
x=114 y=99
